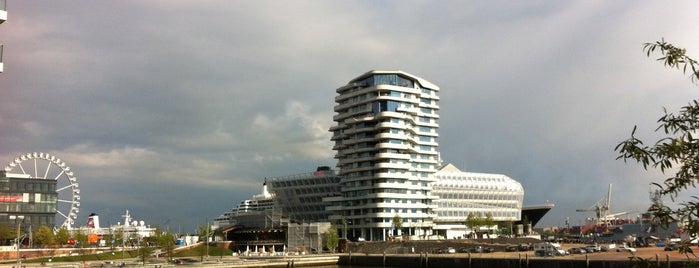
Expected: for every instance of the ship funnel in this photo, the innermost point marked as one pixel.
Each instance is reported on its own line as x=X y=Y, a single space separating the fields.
x=93 y=221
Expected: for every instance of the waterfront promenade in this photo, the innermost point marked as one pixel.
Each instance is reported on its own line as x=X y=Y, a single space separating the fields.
x=526 y=259
x=377 y=258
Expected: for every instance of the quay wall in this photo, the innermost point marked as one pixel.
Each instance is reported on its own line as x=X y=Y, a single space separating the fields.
x=431 y=261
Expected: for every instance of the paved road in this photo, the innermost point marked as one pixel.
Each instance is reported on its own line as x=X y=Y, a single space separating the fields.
x=649 y=252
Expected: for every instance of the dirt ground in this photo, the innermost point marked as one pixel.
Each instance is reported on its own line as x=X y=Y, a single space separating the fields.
x=417 y=247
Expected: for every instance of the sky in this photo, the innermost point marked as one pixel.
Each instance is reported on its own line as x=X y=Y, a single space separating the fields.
x=178 y=110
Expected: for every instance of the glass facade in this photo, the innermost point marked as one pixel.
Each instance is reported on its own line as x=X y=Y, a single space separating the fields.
x=463 y=193
x=386 y=143
x=301 y=196
x=35 y=199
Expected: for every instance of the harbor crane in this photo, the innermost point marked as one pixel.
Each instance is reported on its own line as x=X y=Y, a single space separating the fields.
x=601 y=209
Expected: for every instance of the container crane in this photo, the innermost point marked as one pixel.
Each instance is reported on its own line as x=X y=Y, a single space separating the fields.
x=601 y=209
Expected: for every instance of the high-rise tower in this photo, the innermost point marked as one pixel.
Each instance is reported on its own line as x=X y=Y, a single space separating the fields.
x=386 y=143
x=3 y=18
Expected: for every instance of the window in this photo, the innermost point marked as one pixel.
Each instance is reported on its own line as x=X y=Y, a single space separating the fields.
x=387 y=79
x=383 y=106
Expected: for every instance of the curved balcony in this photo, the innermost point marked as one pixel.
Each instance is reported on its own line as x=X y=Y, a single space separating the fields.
x=393 y=156
x=386 y=145
x=390 y=125
x=390 y=136
x=399 y=166
x=346 y=95
x=412 y=111
x=3 y=11
x=392 y=175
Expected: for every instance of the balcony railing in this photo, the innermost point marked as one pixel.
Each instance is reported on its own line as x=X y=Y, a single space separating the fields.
x=3 y=11
x=1 y=65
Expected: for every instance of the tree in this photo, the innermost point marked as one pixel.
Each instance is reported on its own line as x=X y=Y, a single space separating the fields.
x=204 y=231
x=62 y=236
x=397 y=222
x=144 y=250
x=5 y=233
x=80 y=237
x=488 y=221
x=677 y=154
x=474 y=221
x=332 y=238
x=44 y=236
x=166 y=241
x=345 y=224
x=673 y=57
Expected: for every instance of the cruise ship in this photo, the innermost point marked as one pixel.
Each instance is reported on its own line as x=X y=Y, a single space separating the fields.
x=247 y=209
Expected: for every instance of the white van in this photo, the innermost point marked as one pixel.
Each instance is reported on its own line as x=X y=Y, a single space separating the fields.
x=549 y=249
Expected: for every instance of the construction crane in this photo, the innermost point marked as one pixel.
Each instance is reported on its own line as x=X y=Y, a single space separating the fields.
x=601 y=209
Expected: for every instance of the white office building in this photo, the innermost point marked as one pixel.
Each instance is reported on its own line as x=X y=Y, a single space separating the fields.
x=386 y=143
x=479 y=194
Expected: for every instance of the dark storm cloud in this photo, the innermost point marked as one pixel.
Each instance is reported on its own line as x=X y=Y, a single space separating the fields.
x=177 y=110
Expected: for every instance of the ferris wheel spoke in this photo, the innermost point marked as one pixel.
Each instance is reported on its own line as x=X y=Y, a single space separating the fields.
x=65 y=187
x=59 y=175
x=61 y=213
x=36 y=170
x=21 y=168
x=48 y=167
x=66 y=201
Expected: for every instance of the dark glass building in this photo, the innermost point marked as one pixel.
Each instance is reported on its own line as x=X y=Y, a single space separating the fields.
x=22 y=195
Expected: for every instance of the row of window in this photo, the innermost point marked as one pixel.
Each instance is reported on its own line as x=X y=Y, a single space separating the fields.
x=307 y=181
x=352 y=184
x=29 y=186
x=356 y=212
x=464 y=214
x=370 y=173
x=304 y=208
x=478 y=186
x=479 y=195
x=33 y=220
x=479 y=203
x=386 y=79
x=28 y=207
x=314 y=190
x=364 y=202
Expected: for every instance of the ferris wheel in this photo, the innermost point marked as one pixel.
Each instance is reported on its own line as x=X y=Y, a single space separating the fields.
x=49 y=167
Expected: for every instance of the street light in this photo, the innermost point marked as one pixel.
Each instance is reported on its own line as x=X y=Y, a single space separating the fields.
x=18 y=221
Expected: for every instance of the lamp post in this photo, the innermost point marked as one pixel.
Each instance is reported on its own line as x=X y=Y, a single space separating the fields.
x=18 y=221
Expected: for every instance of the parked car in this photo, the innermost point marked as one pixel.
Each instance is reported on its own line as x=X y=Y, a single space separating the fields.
x=437 y=251
x=542 y=253
x=625 y=248
x=463 y=250
x=577 y=251
x=671 y=247
x=511 y=248
x=524 y=247
x=450 y=250
x=592 y=248
x=357 y=239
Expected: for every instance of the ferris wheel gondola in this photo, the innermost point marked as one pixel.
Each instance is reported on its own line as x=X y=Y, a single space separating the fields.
x=49 y=167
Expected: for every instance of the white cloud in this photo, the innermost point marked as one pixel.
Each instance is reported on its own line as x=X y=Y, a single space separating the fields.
x=207 y=98
x=296 y=133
